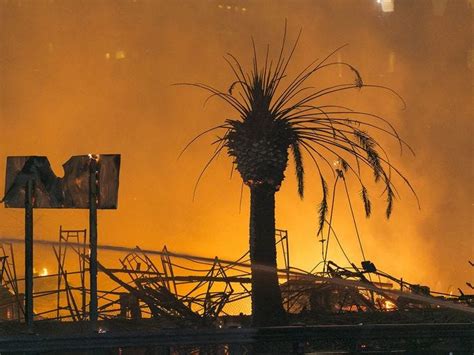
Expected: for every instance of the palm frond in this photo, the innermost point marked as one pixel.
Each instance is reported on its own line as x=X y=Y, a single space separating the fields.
x=231 y=100
x=367 y=204
x=299 y=169
x=216 y=153
x=388 y=211
x=368 y=144
x=199 y=136
x=274 y=119
x=323 y=206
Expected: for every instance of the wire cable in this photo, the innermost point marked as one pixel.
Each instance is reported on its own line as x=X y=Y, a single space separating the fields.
x=330 y=223
x=353 y=218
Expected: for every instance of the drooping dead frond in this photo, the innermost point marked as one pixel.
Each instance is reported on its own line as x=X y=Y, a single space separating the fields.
x=390 y=196
x=323 y=206
x=344 y=165
x=368 y=144
x=299 y=169
x=367 y=203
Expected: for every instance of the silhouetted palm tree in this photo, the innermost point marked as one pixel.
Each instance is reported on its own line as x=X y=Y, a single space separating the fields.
x=274 y=120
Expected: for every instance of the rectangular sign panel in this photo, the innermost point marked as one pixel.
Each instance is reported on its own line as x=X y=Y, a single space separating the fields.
x=69 y=191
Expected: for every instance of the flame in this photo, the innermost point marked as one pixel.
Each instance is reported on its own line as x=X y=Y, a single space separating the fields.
x=44 y=272
x=96 y=157
x=389 y=305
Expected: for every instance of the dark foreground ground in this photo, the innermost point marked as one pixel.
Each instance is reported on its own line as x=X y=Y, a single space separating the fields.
x=447 y=332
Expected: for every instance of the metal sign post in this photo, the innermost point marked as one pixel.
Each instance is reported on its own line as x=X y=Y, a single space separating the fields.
x=93 y=182
x=29 y=191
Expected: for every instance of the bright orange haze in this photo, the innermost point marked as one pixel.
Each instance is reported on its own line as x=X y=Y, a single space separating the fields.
x=80 y=77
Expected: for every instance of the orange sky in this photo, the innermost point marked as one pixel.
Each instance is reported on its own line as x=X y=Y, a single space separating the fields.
x=96 y=76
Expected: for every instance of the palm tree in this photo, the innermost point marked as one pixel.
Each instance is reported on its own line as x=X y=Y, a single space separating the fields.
x=275 y=120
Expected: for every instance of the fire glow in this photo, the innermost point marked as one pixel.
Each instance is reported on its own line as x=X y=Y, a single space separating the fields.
x=389 y=305
x=44 y=272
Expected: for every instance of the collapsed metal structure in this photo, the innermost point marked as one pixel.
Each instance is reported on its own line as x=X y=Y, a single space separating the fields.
x=176 y=288
x=163 y=285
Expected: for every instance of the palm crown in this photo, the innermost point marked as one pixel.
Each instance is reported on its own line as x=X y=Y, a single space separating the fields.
x=273 y=120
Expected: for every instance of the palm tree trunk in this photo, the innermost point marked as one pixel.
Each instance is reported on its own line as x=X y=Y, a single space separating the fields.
x=267 y=308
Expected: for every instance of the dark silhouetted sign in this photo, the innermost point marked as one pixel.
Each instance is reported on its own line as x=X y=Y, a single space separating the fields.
x=70 y=191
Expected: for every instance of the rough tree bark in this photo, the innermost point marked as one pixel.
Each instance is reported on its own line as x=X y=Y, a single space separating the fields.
x=267 y=308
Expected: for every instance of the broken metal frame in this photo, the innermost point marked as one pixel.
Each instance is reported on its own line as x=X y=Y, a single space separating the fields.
x=357 y=292
x=198 y=290
x=9 y=281
x=78 y=238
